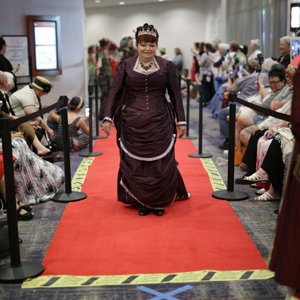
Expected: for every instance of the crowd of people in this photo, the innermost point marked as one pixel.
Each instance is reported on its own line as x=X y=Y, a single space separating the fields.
x=129 y=76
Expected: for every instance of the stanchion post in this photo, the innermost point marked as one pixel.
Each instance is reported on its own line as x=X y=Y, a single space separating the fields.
x=230 y=194
x=15 y=271
x=90 y=152
x=68 y=195
x=188 y=89
x=200 y=130
x=97 y=136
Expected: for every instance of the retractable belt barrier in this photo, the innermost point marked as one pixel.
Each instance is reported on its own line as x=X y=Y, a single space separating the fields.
x=18 y=271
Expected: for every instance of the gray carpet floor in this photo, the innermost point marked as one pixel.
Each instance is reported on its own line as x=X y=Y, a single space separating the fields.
x=258 y=219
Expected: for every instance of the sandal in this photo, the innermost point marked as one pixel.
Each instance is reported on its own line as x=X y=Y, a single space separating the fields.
x=255 y=178
x=260 y=191
x=253 y=185
x=179 y=198
x=267 y=197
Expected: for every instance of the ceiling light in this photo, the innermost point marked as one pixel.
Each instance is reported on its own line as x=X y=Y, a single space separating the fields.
x=122 y=3
x=161 y=0
x=97 y=1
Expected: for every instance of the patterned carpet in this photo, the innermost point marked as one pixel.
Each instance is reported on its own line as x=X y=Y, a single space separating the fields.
x=258 y=219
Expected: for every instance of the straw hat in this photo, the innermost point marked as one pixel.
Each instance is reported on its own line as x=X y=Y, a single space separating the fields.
x=42 y=84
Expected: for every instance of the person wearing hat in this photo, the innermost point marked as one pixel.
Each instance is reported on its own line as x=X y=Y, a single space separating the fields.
x=27 y=101
x=163 y=52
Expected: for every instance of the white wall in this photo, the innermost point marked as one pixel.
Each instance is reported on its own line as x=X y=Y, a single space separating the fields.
x=71 y=12
x=180 y=24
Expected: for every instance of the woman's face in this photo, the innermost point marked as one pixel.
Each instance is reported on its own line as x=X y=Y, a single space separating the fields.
x=146 y=50
x=276 y=84
x=284 y=48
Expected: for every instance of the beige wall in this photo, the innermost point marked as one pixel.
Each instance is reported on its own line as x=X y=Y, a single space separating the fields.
x=180 y=23
x=71 y=12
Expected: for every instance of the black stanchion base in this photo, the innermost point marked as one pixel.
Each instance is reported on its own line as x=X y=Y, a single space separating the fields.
x=90 y=154
x=187 y=137
x=9 y=274
x=99 y=137
x=200 y=155
x=69 y=197
x=233 y=196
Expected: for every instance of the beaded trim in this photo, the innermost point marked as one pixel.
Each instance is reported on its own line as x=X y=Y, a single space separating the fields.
x=148 y=158
x=133 y=196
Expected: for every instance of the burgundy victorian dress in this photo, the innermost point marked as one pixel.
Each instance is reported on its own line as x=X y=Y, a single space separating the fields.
x=146 y=133
x=285 y=259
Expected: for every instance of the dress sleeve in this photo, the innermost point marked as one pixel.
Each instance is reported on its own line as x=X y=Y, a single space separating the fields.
x=296 y=106
x=116 y=91
x=175 y=94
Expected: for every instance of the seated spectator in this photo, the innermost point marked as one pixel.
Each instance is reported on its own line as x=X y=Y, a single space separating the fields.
x=36 y=180
x=255 y=53
x=27 y=100
x=247 y=117
x=6 y=84
x=284 y=49
x=78 y=130
x=246 y=87
x=281 y=146
x=262 y=144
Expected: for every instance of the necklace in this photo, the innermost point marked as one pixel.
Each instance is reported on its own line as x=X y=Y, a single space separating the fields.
x=146 y=67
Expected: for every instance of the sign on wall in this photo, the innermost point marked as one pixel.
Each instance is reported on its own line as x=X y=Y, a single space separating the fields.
x=17 y=53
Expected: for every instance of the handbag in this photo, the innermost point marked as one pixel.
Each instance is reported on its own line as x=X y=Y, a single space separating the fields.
x=4 y=240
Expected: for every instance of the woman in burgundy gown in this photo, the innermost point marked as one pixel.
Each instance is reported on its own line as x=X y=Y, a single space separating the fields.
x=146 y=126
x=285 y=259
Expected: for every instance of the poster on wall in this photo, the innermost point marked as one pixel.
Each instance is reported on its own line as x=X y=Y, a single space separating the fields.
x=17 y=53
x=45 y=45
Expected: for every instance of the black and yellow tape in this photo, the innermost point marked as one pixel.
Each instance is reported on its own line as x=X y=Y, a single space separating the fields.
x=57 y=281
x=63 y=281
x=213 y=174
x=81 y=173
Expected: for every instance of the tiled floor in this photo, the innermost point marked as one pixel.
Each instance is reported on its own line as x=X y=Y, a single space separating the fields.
x=257 y=218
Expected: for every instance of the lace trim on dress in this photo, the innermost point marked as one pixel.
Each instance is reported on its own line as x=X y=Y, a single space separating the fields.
x=132 y=195
x=149 y=158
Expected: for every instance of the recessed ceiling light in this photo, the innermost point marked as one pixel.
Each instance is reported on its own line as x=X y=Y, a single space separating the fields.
x=161 y=0
x=97 y=1
x=122 y=3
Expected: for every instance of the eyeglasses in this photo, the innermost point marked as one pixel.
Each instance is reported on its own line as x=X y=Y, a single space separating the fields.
x=274 y=82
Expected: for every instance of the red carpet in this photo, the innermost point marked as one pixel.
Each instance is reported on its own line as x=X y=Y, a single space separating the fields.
x=100 y=236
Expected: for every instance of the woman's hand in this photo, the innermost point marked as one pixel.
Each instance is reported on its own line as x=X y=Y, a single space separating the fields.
x=269 y=134
x=106 y=127
x=181 y=130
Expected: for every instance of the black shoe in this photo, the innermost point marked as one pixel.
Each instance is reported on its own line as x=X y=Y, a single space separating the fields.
x=225 y=145
x=144 y=211
x=158 y=211
x=186 y=197
x=24 y=217
x=25 y=207
x=276 y=211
